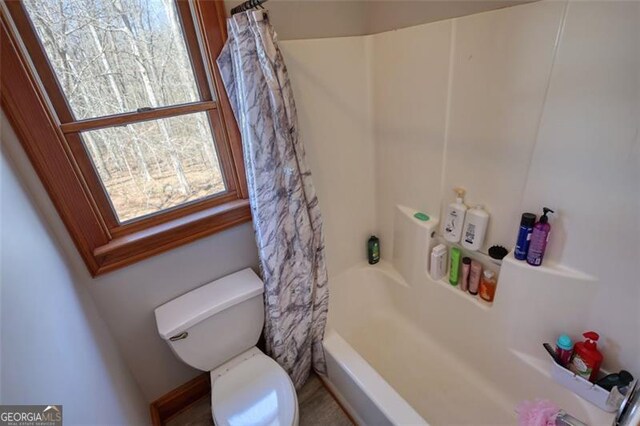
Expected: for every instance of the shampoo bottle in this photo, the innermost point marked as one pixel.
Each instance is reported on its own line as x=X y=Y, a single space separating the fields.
x=539 y=239
x=527 y=222
x=475 y=228
x=454 y=218
x=373 y=250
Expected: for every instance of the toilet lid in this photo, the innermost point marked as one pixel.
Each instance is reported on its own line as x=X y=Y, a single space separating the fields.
x=256 y=392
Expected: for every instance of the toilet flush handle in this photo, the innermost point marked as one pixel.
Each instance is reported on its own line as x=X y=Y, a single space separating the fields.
x=180 y=336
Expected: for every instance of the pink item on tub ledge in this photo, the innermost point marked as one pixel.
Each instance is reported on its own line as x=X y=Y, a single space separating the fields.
x=540 y=412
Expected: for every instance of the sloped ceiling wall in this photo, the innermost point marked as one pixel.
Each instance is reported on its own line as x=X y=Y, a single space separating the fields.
x=395 y=14
x=305 y=19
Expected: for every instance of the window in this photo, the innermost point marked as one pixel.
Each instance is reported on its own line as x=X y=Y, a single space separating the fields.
x=120 y=107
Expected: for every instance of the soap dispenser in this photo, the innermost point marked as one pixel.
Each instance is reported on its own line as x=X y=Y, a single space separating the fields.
x=539 y=239
x=587 y=358
x=454 y=218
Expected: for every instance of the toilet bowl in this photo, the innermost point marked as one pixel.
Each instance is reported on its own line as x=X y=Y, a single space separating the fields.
x=215 y=328
x=252 y=389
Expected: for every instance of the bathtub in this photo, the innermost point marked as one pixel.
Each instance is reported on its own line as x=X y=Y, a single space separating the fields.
x=424 y=352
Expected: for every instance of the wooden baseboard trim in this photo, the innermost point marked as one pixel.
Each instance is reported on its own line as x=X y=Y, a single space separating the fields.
x=170 y=404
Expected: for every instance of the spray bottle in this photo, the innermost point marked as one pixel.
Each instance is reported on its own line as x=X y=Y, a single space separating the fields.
x=539 y=239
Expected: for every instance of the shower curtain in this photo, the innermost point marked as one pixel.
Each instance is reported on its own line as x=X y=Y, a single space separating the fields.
x=286 y=216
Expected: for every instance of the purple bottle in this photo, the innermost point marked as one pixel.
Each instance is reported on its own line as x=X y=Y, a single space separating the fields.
x=539 y=239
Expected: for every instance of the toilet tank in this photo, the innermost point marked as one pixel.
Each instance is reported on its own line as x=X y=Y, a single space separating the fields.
x=213 y=323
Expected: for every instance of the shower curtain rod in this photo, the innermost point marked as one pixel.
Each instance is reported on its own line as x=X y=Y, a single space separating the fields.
x=249 y=4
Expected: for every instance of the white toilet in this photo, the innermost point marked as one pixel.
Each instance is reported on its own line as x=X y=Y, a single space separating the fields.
x=215 y=328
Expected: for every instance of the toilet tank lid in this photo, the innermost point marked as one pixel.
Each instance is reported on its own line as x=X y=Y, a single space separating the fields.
x=180 y=314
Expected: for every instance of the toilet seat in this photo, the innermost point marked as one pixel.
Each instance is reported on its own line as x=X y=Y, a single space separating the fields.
x=252 y=389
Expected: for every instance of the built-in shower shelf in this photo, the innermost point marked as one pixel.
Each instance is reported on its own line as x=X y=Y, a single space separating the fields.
x=552 y=268
x=481 y=257
x=388 y=269
x=576 y=384
x=476 y=300
x=487 y=263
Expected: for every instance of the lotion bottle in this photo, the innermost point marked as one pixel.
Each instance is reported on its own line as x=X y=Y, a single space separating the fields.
x=539 y=239
x=475 y=228
x=454 y=218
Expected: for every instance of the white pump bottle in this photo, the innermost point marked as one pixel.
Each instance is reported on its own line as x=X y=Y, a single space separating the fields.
x=454 y=218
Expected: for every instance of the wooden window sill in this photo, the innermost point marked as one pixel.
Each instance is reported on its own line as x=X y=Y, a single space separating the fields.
x=145 y=243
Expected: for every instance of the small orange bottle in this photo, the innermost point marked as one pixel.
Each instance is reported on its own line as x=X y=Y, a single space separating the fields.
x=487 y=290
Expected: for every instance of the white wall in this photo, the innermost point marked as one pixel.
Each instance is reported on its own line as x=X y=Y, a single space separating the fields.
x=126 y=298
x=54 y=346
x=542 y=109
x=587 y=164
x=491 y=101
x=332 y=106
x=334 y=115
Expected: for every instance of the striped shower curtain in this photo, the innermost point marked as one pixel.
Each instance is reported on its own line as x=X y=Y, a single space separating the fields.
x=286 y=216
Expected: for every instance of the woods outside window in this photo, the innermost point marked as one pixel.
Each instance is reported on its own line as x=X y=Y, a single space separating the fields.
x=132 y=116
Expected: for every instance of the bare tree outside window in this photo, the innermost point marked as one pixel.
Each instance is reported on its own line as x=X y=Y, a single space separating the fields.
x=117 y=56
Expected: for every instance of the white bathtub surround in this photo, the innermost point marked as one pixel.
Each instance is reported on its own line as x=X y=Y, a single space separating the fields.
x=398 y=336
x=410 y=93
x=587 y=162
x=413 y=240
x=334 y=111
x=284 y=205
x=525 y=107
x=530 y=106
x=452 y=360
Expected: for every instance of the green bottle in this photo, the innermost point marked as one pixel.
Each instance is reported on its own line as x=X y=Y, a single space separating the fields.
x=454 y=272
x=373 y=250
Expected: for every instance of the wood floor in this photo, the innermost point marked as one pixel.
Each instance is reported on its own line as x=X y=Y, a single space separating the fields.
x=317 y=408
